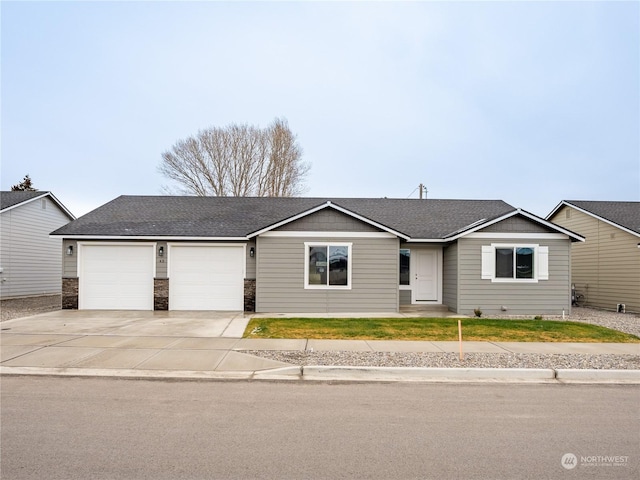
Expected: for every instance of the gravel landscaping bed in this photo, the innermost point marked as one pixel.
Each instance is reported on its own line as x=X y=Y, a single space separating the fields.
x=26 y=306
x=623 y=322
x=628 y=323
x=451 y=360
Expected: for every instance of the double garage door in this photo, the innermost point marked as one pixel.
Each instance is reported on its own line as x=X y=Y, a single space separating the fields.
x=201 y=277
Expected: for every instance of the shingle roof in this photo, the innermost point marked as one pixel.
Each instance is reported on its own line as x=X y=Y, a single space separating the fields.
x=11 y=198
x=624 y=214
x=182 y=216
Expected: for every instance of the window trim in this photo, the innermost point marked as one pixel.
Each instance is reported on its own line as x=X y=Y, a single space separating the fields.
x=540 y=263
x=308 y=246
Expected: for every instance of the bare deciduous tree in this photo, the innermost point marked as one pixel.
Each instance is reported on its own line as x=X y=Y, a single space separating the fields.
x=238 y=160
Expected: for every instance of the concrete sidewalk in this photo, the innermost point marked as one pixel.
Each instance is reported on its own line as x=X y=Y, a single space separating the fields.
x=207 y=357
x=209 y=345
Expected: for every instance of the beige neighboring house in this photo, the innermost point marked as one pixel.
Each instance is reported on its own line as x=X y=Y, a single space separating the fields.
x=30 y=260
x=606 y=267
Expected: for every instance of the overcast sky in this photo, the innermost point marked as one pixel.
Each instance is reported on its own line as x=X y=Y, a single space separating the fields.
x=528 y=102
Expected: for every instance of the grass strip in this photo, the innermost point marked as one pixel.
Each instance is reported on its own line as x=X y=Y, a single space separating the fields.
x=434 y=329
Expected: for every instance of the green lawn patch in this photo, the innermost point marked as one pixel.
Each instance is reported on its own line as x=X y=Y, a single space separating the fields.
x=435 y=329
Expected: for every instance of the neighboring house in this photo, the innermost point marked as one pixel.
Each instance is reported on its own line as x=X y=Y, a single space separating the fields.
x=315 y=255
x=30 y=262
x=606 y=267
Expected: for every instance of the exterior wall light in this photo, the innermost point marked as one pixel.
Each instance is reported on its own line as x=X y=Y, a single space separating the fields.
x=161 y=251
x=252 y=252
x=70 y=250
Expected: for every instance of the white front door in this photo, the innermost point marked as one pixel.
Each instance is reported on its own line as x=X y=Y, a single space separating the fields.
x=426 y=275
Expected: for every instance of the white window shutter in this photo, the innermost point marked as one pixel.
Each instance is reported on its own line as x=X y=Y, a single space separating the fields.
x=488 y=262
x=543 y=263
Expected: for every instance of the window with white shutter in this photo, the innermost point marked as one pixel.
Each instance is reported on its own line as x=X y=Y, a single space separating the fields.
x=515 y=262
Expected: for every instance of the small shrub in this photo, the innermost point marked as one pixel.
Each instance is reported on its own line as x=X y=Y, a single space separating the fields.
x=538 y=317
x=477 y=312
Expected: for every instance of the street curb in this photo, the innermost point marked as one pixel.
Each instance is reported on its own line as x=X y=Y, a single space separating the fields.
x=428 y=374
x=320 y=373
x=283 y=373
x=127 y=373
x=598 y=376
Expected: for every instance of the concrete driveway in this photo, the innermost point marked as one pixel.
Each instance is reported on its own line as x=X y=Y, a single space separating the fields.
x=132 y=323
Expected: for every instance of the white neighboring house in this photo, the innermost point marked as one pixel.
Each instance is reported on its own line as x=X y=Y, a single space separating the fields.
x=30 y=260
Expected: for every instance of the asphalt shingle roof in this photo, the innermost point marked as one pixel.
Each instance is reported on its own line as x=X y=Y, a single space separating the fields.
x=11 y=198
x=183 y=216
x=625 y=214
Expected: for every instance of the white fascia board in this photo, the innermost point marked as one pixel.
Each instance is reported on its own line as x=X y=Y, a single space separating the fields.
x=526 y=214
x=62 y=207
x=289 y=220
x=325 y=234
x=370 y=222
x=551 y=225
x=132 y=244
x=427 y=240
x=199 y=244
x=598 y=217
x=39 y=197
x=327 y=204
x=480 y=226
x=555 y=210
x=25 y=202
x=523 y=236
x=151 y=238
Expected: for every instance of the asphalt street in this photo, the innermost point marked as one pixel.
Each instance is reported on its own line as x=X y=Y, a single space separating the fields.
x=84 y=428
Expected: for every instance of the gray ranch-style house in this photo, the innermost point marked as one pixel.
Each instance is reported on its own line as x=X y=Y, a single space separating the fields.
x=30 y=262
x=315 y=255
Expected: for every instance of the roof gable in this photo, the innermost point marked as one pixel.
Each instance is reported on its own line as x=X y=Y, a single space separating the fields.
x=13 y=199
x=623 y=215
x=329 y=205
x=548 y=226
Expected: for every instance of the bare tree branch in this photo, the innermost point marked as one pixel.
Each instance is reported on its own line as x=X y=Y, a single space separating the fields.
x=238 y=160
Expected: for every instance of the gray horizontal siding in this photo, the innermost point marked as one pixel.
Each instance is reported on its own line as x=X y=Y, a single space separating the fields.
x=450 y=277
x=69 y=262
x=405 y=297
x=280 y=277
x=549 y=297
x=31 y=261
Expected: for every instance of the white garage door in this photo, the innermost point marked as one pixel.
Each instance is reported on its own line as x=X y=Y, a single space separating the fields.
x=116 y=277
x=206 y=277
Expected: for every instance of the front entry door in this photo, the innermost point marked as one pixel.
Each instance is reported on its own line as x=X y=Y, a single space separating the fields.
x=426 y=276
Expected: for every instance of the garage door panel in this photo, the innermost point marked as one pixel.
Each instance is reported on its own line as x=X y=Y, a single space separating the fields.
x=206 y=278
x=116 y=277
